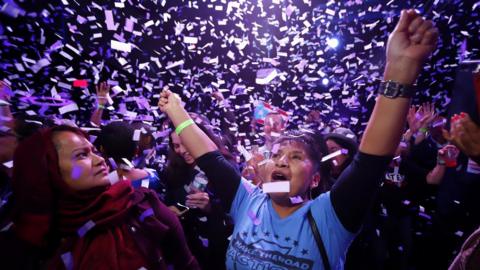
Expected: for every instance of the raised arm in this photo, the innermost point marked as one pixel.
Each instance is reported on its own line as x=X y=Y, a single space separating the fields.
x=102 y=99
x=408 y=46
x=223 y=176
x=194 y=139
x=411 y=42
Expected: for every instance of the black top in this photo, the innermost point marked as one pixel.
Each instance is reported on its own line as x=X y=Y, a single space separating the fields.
x=352 y=195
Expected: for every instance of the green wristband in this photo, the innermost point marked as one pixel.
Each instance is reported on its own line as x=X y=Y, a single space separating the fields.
x=100 y=106
x=423 y=130
x=183 y=125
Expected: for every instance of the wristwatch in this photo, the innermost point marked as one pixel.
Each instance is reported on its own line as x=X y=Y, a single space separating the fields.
x=391 y=89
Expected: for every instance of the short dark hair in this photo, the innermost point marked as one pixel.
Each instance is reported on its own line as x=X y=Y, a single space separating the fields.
x=116 y=140
x=316 y=148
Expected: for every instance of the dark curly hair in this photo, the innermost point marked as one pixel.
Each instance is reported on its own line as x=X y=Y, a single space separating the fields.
x=316 y=148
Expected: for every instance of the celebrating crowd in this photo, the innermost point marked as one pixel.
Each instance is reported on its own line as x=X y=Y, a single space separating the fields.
x=309 y=198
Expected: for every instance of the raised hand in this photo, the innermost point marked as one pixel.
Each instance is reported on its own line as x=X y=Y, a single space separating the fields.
x=464 y=134
x=414 y=38
x=413 y=123
x=427 y=114
x=103 y=93
x=169 y=101
x=409 y=45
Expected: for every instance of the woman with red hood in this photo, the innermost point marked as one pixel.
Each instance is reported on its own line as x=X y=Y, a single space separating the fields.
x=68 y=216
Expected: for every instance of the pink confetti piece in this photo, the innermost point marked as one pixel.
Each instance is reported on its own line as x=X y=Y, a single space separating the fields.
x=80 y=83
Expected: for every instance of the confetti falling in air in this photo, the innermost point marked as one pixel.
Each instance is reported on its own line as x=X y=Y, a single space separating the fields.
x=252 y=51
x=145 y=214
x=85 y=228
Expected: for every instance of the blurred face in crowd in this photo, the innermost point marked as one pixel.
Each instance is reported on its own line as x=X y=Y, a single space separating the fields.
x=80 y=164
x=180 y=149
x=292 y=163
x=313 y=116
x=274 y=125
x=338 y=160
x=8 y=143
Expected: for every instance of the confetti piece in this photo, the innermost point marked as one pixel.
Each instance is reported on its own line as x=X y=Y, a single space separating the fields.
x=109 y=21
x=274 y=187
x=265 y=76
x=120 y=46
x=128 y=163
x=80 y=83
x=67 y=259
x=253 y=218
x=145 y=214
x=145 y=183
x=113 y=164
x=136 y=135
x=68 y=108
x=113 y=177
x=335 y=154
x=296 y=200
x=85 y=228
x=204 y=241
x=175 y=64
x=76 y=172
x=8 y=164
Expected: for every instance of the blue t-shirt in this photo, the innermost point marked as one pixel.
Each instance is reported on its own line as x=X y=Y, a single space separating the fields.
x=263 y=240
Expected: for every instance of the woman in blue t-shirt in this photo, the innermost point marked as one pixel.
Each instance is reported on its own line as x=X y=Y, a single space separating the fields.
x=277 y=230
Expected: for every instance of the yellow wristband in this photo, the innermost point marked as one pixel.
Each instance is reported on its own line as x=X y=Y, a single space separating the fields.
x=183 y=125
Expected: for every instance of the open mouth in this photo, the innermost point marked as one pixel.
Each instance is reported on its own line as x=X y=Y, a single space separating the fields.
x=279 y=176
